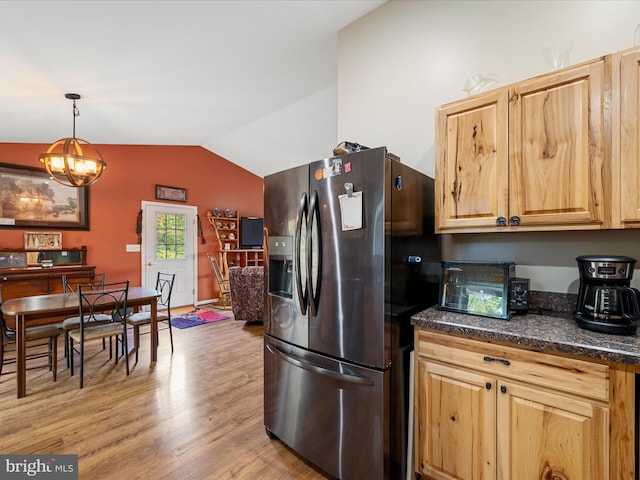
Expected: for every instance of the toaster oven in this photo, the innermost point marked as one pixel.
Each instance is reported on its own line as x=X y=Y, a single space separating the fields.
x=490 y=289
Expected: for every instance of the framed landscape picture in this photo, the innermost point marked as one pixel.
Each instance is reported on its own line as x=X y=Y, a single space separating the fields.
x=30 y=199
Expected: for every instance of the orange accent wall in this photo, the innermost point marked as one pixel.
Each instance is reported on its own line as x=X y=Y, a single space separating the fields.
x=132 y=173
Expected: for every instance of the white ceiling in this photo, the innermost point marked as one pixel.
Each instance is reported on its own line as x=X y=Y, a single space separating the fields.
x=238 y=78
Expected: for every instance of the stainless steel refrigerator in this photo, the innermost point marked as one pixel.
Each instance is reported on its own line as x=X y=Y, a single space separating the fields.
x=351 y=255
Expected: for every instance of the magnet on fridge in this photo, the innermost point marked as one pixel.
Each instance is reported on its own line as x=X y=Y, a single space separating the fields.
x=349 y=189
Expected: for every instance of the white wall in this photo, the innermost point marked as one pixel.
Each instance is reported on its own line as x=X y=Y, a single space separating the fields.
x=398 y=63
x=401 y=61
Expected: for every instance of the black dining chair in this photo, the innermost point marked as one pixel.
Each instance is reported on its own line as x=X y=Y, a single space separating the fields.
x=37 y=338
x=93 y=303
x=164 y=285
x=70 y=284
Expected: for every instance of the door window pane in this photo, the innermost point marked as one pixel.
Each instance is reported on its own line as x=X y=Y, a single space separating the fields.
x=170 y=236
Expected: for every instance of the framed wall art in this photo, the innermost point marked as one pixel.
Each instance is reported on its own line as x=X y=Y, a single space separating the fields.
x=174 y=194
x=29 y=198
x=42 y=240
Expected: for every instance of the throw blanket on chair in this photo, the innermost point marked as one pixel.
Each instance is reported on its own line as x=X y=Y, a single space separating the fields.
x=247 y=293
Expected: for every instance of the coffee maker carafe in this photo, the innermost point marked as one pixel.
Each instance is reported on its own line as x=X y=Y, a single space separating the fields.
x=606 y=302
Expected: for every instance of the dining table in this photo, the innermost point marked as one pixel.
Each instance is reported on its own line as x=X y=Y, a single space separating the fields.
x=25 y=309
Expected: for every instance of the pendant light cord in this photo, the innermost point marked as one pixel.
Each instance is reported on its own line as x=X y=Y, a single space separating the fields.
x=76 y=113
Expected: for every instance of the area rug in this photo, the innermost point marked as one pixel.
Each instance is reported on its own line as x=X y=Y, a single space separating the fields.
x=196 y=317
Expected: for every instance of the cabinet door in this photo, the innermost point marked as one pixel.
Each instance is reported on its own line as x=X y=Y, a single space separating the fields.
x=556 y=149
x=456 y=423
x=544 y=435
x=471 y=162
x=629 y=191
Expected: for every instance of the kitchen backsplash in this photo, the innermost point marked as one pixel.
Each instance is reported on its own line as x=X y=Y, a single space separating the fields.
x=552 y=303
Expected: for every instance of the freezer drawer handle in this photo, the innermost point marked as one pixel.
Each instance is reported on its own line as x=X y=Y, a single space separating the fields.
x=343 y=377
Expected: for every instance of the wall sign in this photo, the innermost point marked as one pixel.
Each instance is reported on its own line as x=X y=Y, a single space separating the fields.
x=174 y=194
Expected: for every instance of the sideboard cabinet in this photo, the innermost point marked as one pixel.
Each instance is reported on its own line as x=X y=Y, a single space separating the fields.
x=21 y=274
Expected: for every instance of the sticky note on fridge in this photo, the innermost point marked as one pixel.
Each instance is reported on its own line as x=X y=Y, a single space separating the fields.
x=351 y=211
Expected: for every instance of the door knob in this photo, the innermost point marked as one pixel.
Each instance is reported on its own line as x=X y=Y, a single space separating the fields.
x=151 y=264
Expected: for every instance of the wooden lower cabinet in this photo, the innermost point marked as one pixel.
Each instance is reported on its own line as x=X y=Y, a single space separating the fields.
x=456 y=423
x=542 y=435
x=495 y=412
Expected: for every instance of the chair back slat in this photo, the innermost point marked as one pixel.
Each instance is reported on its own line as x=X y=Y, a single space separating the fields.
x=224 y=284
x=110 y=297
x=70 y=283
x=164 y=285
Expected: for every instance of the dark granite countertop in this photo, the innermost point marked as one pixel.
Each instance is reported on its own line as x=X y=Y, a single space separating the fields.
x=543 y=332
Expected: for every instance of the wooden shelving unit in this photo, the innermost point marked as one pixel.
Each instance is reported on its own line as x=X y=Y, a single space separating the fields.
x=227 y=232
x=226 y=229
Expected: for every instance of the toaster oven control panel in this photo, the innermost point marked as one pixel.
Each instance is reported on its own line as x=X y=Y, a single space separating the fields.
x=518 y=294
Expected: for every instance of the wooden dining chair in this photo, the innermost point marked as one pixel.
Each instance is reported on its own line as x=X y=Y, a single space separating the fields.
x=92 y=326
x=164 y=285
x=37 y=337
x=223 y=284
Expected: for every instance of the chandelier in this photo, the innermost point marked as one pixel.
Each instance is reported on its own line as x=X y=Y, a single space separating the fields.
x=72 y=161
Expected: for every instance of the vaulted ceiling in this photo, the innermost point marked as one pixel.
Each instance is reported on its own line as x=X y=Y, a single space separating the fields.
x=253 y=81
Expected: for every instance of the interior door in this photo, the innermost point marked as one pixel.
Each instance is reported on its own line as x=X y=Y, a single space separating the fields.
x=169 y=246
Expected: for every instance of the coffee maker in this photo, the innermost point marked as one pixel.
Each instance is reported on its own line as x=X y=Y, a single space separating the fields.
x=606 y=302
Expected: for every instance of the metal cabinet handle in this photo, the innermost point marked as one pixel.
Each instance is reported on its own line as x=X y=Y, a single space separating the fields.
x=501 y=221
x=503 y=389
x=514 y=220
x=494 y=359
x=488 y=385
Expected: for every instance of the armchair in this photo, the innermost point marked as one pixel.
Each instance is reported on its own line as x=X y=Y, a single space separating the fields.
x=247 y=293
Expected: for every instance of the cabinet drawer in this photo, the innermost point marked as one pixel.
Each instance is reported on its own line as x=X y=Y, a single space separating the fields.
x=23 y=288
x=579 y=377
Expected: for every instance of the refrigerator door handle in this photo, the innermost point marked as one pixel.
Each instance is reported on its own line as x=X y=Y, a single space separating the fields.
x=347 y=378
x=302 y=289
x=314 y=215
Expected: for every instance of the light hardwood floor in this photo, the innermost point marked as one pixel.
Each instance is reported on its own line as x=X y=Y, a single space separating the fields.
x=196 y=415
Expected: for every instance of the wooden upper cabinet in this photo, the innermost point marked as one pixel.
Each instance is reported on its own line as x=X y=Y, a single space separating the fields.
x=530 y=156
x=472 y=163
x=626 y=185
x=557 y=149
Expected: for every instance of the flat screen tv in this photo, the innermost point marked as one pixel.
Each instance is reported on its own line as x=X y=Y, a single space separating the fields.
x=251 y=232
